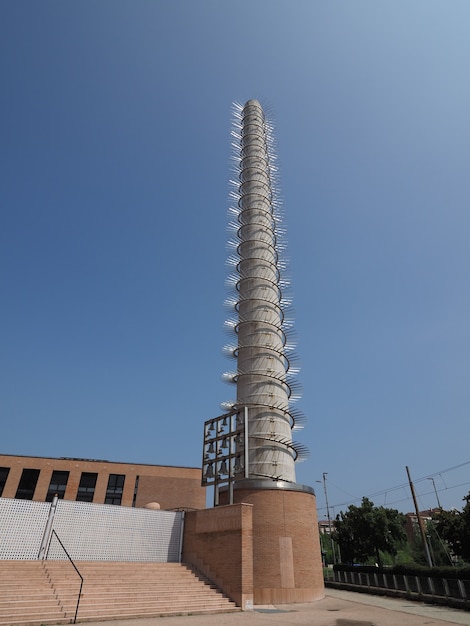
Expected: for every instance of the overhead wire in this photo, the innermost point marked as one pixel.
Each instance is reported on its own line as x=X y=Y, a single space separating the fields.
x=403 y=486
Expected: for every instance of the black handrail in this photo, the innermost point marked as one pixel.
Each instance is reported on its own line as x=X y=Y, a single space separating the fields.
x=75 y=567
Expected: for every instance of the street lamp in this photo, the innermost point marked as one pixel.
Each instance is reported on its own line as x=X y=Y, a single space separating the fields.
x=328 y=515
x=435 y=491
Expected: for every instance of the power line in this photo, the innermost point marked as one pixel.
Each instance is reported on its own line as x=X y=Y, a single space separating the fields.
x=403 y=486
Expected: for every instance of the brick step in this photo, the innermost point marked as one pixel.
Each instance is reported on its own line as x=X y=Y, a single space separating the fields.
x=157 y=611
x=194 y=592
x=100 y=566
x=44 y=619
x=172 y=573
x=119 y=574
x=24 y=580
x=31 y=584
x=118 y=602
x=181 y=604
x=150 y=593
x=107 y=562
x=132 y=579
x=164 y=610
x=34 y=601
x=32 y=567
x=134 y=582
x=56 y=576
x=22 y=583
x=145 y=583
x=18 y=565
x=89 y=616
x=35 y=594
x=93 y=585
x=46 y=613
x=29 y=592
x=115 y=602
x=11 y=603
x=111 y=580
x=21 y=588
x=9 y=576
x=31 y=621
x=28 y=596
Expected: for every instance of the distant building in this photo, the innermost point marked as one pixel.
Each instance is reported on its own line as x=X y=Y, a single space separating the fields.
x=102 y=482
x=411 y=524
x=324 y=526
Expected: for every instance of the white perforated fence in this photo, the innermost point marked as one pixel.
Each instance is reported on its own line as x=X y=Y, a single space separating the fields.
x=89 y=532
x=22 y=525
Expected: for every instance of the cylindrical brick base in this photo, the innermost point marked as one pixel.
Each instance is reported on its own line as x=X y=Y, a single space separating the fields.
x=287 y=565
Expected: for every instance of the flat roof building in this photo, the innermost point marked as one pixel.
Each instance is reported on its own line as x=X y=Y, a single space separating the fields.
x=102 y=482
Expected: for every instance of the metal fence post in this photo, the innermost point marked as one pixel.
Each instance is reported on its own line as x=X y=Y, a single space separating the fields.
x=48 y=529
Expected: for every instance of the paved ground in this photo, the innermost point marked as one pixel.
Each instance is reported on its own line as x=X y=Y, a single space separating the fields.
x=339 y=608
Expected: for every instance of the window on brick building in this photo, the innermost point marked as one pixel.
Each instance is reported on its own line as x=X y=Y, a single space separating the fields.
x=115 y=489
x=27 y=484
x=86 y=488
x=57 y=485
x=4 y=471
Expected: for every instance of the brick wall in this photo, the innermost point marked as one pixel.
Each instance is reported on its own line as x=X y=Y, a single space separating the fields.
x=172 y=487
x=287 y=565
x=219 y=543
x=171 y=492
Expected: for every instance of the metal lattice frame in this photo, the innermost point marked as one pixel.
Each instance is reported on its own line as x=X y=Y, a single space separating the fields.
x=225 y=452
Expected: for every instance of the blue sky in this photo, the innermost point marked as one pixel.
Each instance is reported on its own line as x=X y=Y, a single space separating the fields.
x=115 y=161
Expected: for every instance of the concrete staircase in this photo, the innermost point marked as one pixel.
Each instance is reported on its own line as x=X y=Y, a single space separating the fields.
x=36 y=593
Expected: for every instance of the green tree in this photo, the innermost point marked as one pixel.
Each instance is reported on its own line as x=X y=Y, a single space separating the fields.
x=327 y=552
x=439 y=549
x=366 y=531
x=454 y=528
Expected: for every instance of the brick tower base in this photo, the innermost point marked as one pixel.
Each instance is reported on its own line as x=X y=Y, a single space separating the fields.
x=287 y=564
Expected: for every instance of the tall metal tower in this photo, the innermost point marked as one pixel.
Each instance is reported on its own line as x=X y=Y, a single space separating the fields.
x=260 y=323
x=248 y=452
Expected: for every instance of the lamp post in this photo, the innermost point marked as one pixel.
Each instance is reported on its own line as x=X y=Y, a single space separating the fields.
x=435 y=491
x=328 y=516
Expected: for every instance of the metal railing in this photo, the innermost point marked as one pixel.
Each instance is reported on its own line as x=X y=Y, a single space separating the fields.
x=456 y=592
x=75 y=568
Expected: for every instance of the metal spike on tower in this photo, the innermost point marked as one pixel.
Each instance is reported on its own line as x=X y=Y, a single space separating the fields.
x=263 y=346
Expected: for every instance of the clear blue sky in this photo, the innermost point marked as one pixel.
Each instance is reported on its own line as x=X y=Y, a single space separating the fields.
x=115 y=161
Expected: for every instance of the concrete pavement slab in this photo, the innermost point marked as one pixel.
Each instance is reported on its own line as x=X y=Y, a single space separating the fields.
x=338 y=608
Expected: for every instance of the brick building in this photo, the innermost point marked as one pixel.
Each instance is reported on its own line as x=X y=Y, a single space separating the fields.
x=101 y=482
x=412 y=524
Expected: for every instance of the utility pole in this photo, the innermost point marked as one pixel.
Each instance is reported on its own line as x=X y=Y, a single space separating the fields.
x=329 y=518
x=420 y=521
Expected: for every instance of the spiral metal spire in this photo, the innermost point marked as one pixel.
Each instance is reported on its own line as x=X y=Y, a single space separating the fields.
x=263 y=345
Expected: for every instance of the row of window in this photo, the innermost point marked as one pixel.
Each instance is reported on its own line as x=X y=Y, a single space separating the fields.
x=58 y=484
